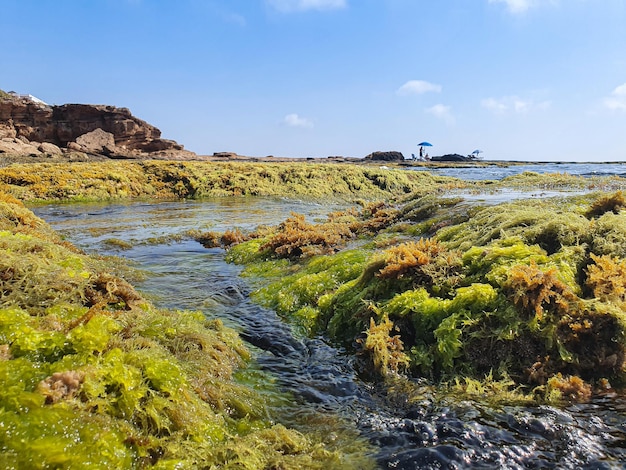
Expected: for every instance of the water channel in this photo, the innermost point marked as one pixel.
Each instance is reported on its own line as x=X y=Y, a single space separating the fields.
x=325 y=393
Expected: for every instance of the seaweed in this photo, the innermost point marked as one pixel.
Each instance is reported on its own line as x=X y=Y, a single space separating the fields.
x=537 y=222
x=608 y=235
x=606 y=278
x=299 y=293
x=385 y=351
x=93 y=372
x=222 y=240
x=520 y=291
x=609 y=203
x=374 y=217
x=82 y=181
x=107 y=289
x=426 y=262
x=534 y=291
x=571 y=388
x=297 y=238
x=594 y=338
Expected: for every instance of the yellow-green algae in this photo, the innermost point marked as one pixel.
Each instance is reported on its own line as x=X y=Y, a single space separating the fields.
x=529 y=293
x=162 y=179
x=94 y=376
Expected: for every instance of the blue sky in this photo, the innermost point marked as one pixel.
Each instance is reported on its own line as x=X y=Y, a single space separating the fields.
x=539 y=80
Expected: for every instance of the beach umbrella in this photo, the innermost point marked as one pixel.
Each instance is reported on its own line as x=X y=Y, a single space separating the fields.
x=425 y=144
x=476 y=152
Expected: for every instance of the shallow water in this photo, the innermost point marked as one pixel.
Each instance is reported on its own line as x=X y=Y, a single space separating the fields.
x=327 y=395
x=496 y=172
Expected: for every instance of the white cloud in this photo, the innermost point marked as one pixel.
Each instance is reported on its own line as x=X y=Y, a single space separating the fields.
x=443 y=112
x=492 y=104
x=512 y=104
x=293 y=120
x=617 y=100
x=417 y=87
x=287 y=6
x=520 y=6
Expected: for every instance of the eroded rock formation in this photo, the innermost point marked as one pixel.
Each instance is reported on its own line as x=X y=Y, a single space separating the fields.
x=28 y=125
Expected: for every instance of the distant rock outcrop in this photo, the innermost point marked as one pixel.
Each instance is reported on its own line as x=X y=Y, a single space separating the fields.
x=28 y=125
x=385 y=156
x=450 y=157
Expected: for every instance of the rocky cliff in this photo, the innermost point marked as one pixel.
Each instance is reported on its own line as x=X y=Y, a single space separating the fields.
x=29 y=126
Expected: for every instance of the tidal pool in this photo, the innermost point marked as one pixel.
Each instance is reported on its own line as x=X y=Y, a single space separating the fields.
x=312 y=385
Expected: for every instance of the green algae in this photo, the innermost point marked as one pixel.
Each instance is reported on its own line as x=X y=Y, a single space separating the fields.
x=94 y=376
x=163 y=179
x=60 y=438
x=608 y=235
x=471 y=332
x=295 y=292
x=528 y=293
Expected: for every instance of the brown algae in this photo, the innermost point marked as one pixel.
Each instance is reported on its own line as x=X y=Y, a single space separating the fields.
x=94 y=376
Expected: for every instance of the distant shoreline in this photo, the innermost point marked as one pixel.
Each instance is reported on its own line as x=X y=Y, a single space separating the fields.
x=406 y=162
x=8 y=159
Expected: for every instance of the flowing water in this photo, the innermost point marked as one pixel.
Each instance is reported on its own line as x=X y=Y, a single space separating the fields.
x=326 y=396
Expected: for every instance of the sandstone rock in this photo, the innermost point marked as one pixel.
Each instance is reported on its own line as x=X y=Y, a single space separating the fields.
x=47 y=147
x=35 y=121
x=7 y=131
x=385 y=156
x=17 y=147
x=96 y=141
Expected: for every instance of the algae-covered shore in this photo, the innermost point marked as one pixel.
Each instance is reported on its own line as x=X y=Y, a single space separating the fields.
x=95 y=376
x=158 y=179
x=523 y=300
x=528 y=293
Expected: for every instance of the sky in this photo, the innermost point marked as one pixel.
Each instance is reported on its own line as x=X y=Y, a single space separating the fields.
x=530 y=80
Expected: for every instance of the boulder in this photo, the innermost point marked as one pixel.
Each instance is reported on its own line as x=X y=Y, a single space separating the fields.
x=47 y=147
x=73 y=146
x=450 y=157
x=96 y=141
x=385 y=156
x=17 y=147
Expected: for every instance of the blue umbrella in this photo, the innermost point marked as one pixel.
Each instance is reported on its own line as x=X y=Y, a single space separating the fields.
x=425 y=144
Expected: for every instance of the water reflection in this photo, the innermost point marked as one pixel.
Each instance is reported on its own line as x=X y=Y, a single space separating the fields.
x=506 y=195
